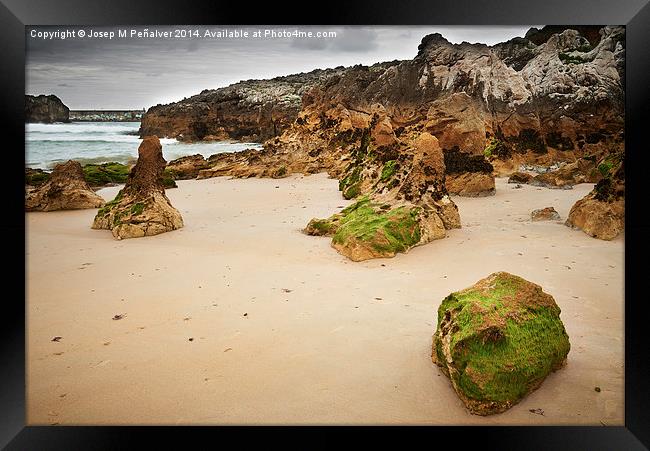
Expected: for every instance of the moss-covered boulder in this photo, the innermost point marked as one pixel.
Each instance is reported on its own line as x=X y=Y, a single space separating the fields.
x=498 y=340
x=369 y=229
x=141 y=208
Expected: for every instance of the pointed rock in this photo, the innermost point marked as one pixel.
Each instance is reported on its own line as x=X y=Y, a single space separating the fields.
x=141 y=208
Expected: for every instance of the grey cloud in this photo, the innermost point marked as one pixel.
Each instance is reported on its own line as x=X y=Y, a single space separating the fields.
x=310 y=44
x=357 y=40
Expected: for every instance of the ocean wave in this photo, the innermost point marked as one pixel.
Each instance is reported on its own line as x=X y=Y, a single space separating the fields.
x=83 y=127
x=49 y=144
x=86 y=139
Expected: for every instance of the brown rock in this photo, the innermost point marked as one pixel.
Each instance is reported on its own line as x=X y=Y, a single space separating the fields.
x=251 y=110
x=141 y=208
x=601 y=213
x=520 y=177
x=188 y=167
x=471 y=184
x=467 y=174
x=458 y=121
x=370 y=126
x=46 y=109
x=580 y=171
x=599 y=219
x=545 y=214
x=66 y=189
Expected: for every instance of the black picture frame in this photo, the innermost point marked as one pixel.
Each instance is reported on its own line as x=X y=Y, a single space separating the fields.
x=635 y=14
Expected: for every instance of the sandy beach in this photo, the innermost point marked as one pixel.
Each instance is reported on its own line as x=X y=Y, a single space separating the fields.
x=240 y=318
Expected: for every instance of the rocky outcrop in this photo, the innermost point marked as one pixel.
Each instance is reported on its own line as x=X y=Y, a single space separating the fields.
x=65 y=189
x=141 y=208
x=188 y=167
x=46 y=109
x=468 y=175
x=406 y=202
x=582 y=170
x=498 y=340
x=545 y=214
x=493 y=108
x=520 y=177
x=251 y=110
x=601 y=214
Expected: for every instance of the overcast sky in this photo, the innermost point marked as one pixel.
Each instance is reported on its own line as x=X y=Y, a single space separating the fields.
x=132 y=73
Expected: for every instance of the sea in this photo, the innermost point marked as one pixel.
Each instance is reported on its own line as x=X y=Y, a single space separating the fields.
x=101 y=142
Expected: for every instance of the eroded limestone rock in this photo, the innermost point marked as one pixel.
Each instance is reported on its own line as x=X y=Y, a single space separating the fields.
x=141 y=208
x=65 y=189
x=601 y=213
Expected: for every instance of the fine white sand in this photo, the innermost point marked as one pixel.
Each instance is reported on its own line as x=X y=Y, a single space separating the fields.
x=287 y=331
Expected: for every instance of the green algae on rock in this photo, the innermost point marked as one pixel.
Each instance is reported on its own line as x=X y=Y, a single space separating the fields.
x=36 y=177
x=369 y=229
x=105 y=173
x=498 y=340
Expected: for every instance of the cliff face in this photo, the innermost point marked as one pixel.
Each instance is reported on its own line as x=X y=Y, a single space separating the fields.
x=252 y=110
x=560 y=95
x=46 y=109
x=408 y=133
x=556 y=92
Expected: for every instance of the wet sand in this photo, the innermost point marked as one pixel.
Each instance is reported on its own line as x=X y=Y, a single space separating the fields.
x=239 y=318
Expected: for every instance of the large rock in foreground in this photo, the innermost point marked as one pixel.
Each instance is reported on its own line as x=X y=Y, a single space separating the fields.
x=498 y=340
x=46 y=109
x=141 y=208
x=65 y=189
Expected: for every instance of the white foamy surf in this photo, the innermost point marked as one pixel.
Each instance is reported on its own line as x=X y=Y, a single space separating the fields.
x=102 y=142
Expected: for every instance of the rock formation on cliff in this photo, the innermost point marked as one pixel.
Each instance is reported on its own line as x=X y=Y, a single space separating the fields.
x=557 y=96
x=141 y=208
x=498 y=340
x=251 y=110
x=46 y=109
x=65 y=189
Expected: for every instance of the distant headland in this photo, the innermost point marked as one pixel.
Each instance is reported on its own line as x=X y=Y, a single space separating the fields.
x=106 y=115
x=49 y=108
